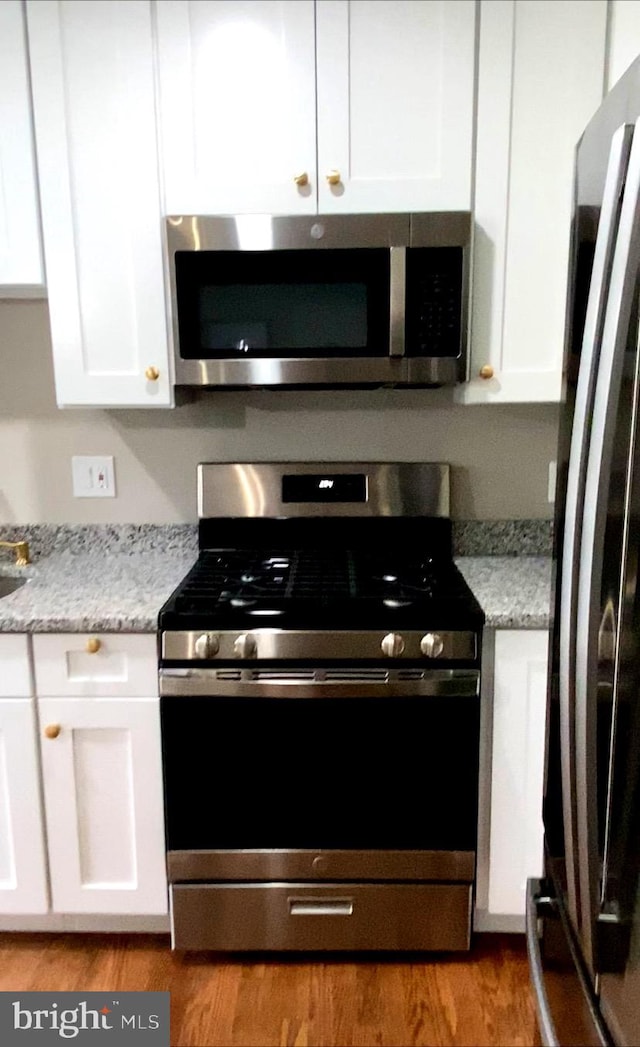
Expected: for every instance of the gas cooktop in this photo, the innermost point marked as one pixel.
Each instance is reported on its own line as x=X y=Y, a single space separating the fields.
x=320 y=588
x=310 y=548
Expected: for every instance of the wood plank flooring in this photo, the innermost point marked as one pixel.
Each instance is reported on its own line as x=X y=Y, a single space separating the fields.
x=478 y=998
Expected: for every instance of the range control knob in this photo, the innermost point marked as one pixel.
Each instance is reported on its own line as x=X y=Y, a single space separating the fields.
x=245 y=646
x=392 y=645
x=432 y=645
x=206 y=646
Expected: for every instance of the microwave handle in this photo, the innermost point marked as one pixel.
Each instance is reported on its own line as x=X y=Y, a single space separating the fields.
x=397 y=298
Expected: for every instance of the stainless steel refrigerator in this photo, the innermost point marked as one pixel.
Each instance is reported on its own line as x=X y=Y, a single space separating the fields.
x=583 y=918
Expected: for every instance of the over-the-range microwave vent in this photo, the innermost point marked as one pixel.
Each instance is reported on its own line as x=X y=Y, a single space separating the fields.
x=327 y=301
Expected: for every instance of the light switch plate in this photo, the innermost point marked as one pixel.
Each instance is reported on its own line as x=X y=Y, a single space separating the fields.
x=93 y=477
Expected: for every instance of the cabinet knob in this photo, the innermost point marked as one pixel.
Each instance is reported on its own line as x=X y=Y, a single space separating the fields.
x=93 y=645
x=486 y=371
x=52 y=730
x=333 y=178
x=302 y=179
x=152 y=374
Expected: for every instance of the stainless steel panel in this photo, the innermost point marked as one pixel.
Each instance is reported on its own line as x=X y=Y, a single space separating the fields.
x=625 y=614
x=398 y=294
x=320 y=916
x=254 y=489
x=263 y=232
x=285 y=644
x=355 y=371
x=203 y=683
x=271 y=865
x=269 y=232
x=590 y=356
x=614 y=341
x=441 y=229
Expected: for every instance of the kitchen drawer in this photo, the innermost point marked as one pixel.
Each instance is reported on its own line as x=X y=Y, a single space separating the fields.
x=320 y=916
x=101 y=665
x=15 y=666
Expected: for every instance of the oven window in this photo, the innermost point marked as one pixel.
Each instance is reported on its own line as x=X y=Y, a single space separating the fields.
x=285 y=304
x=388 y=773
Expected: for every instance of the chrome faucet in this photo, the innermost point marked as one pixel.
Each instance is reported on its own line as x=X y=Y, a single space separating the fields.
x=21 y=550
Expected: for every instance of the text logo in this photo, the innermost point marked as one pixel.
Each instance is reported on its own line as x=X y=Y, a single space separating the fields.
x=126 y=1019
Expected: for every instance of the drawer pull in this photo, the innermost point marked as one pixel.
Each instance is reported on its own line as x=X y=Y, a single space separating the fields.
x=52 y=730
x=93 y=645
x=320 y=906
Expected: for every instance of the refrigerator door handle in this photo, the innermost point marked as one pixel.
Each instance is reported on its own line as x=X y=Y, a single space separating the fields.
x=616 y=326
x=590 y=356
x=536 y=906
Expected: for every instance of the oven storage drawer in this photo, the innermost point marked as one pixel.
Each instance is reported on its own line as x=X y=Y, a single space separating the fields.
x=321 y=916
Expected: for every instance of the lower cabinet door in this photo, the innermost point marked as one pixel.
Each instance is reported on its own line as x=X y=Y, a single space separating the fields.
x=519 y=710
x=102 y=777
x=23 y=871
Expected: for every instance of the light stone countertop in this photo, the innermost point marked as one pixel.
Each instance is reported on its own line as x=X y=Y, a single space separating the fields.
x=513 y=591
x=93 y=592
x=123 y=592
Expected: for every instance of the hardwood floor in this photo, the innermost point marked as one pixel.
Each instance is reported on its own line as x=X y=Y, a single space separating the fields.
x=477 y=998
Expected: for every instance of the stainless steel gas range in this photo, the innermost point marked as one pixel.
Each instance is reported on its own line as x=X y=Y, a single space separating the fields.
x=320 y=682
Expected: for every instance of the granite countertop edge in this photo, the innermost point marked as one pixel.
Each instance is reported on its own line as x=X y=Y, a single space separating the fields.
x=123 y=592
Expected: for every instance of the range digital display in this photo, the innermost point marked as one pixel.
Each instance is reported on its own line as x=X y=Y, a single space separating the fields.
x=325 y=487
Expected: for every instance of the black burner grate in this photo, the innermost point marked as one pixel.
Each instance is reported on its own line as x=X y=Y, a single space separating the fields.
x=240 y=577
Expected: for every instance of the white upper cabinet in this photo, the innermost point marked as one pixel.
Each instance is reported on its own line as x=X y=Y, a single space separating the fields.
x=623 y=38
x=21 y=269
x=240 y=83
x=395 y=104
x=540 y=79
x=92 y=69
x=237 y=106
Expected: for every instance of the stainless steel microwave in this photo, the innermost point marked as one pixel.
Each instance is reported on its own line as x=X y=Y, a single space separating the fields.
x=325 y=301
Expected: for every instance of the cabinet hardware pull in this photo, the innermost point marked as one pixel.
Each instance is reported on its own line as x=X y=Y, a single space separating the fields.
x=301 y=179
x=333 y=178
x=152 y=374
x=93 y=645
x=486 y=371
x=52 y=730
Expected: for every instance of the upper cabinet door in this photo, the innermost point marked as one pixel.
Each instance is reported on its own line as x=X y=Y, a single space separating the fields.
x=540 y=79
x=237 y=106
x=21 y=269
x=395 y=104
x=92 y=69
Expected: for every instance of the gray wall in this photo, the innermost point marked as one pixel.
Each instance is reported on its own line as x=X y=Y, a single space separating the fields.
x=500 y=454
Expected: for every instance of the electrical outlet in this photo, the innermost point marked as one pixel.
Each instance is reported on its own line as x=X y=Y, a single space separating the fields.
x=93 y=477
x=551 y=483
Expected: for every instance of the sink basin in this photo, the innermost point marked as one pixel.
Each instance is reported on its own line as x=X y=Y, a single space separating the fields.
x=9 y=585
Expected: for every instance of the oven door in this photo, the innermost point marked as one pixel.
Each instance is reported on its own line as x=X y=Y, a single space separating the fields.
x=288 y=782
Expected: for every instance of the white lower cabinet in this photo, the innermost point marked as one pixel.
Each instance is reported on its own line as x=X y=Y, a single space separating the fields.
x=510 y=843
x=81 y=809
x=102 y=782
x=23 y=869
